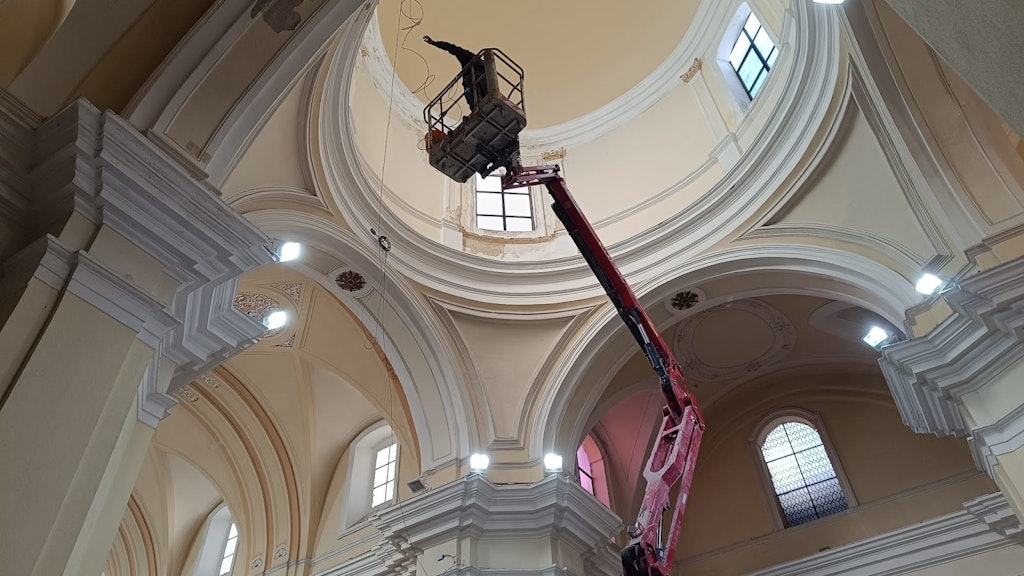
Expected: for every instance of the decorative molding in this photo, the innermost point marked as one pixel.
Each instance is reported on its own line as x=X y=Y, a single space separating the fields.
x=350 y=281
x=102 y=168
x=257 y=306
x=685 y=300
x=697 y=65
x=292 y=289
x=800 y=91
x=977 y=529
x=782 y=331
x=472 y=509
x=982 y=337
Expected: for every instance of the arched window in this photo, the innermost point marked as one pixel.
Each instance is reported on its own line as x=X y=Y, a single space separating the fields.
x=803 y=472
x=220 y=543
x=228 y=559
x=372 y=473
x=590 y=465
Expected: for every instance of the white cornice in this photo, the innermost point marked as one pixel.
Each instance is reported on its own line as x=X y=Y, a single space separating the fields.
x=929 y=375
x=106 y=171
x=472 y=509
x=982 y=526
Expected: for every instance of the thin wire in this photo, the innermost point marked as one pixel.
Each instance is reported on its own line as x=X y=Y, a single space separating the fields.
x=384 y=245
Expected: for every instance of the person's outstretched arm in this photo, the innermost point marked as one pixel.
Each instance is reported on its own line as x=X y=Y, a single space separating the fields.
x=463 y=55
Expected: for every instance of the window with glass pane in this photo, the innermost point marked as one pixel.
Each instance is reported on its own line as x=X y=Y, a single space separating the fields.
x=586 y=471
x=229 y=550
x=502 y=210
x=384 y=474
x=753 y=55
x=802 y=474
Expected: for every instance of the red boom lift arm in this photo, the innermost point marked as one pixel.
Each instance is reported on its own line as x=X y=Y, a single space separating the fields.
x=489 y=137
x=675 y=451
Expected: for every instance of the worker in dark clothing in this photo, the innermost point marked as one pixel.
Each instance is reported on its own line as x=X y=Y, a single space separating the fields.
x=474 y=75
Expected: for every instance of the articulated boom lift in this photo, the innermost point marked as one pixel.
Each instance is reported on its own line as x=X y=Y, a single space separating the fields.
x=487 y=139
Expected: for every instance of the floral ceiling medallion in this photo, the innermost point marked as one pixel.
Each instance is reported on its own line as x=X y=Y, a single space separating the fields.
x=685 y=300
x=350 y=280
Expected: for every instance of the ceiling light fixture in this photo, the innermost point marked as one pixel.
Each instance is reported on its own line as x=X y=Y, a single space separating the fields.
x=929 y=284
x=275 y=319
x=876 y=337
x=478 y=462
x=289 y=251
x=552 y=463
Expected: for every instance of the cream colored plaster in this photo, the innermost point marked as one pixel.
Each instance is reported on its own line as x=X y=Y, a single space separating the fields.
x=24 y=27
x=578 y=56
x=955 y=118
x=849 y=193
x=27 y=317
x=48 y=80
x=507 y=357
x=273 y=161
x=898 y=477
x=997 y=398
x=127 y=65
x=198 y=118
x=412 y=188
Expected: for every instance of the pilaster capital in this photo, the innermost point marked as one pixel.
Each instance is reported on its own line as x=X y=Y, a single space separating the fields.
x=100 y=167
x=930 y=376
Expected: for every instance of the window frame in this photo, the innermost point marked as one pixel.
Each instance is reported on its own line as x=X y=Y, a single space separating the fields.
x=598 y=469
x=373 y=472
x=765 y=426
x=357 y=498
x=728 y=40
x=217 y=528
x=753 y=49
x=527 y=191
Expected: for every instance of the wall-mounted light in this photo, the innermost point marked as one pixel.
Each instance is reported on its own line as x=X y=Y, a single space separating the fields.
x=478 y=462
x=289 y=251
x=275 y=319
x=552 y=463
x=876 y=337
x=928 y=284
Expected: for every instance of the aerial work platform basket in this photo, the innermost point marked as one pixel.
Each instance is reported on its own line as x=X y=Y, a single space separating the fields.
x=474 y=129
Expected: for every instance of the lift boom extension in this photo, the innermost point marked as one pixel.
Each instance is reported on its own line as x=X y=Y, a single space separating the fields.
x=675 y=450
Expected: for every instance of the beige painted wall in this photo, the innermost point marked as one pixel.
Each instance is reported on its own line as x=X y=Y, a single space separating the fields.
x=897 y=477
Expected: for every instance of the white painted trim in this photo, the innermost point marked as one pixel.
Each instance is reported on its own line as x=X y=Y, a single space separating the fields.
x=803 y=84
x=472 y=509
x=916 y=547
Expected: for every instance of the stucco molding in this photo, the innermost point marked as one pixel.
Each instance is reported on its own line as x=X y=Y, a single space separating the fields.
x=801 y=90
x=445 y=385
x=982 y=337
x=979 y=528
x=472 y=509
x=852 y=278
x=100 y=167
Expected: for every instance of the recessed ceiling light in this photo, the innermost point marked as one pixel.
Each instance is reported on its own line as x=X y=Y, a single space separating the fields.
x=275 y=319
x=552 y=462
x=289 y=251
x=876 y=337
x=478 y=462
x=928 y=284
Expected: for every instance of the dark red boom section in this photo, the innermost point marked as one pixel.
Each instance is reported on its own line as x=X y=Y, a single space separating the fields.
x=675 y=452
